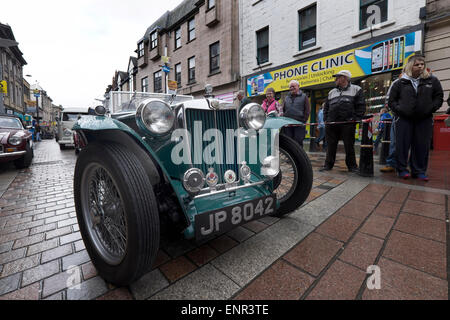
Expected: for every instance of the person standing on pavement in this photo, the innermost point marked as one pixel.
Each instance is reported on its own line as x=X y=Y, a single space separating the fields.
x=414 y=99
x=391 y=162
x=243 y=100
x=296 y=106
x=270 y=104
x=380 y=129
x=345 y=103
x=321 y=127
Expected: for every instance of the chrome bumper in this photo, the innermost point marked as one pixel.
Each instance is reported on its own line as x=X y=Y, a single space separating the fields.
x=12 y=154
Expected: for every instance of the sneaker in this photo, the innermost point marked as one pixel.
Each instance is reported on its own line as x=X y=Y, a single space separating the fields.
x=387 y=169
x=404 y=175
x=325 y=169
x=423 y=177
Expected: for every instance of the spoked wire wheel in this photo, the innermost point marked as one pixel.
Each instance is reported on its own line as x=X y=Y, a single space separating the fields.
x=288 y=178
x=104 y=214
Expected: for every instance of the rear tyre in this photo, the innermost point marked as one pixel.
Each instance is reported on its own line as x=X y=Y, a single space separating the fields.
x=294 y=182
x=116 y=211
x=26 y=160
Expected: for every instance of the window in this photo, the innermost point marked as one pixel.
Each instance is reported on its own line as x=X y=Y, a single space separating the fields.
x=177 y=38
x=144 y=84
x=178 y=74
x=372 y=12
x=214 y=57
x=191 y=29
x=307 y=27
x=191 y=69
x=140 y=49
x=211 y=4
x=153 y=40
x=262 y=46
x=157 y=82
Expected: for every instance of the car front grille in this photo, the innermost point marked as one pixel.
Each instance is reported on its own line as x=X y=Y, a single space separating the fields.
x=222 y=120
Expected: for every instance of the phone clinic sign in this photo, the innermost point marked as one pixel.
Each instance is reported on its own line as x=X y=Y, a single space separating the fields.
x=384 y=56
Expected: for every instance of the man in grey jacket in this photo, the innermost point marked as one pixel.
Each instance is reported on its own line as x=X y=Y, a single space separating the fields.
x=296 y=106
x=345 y=105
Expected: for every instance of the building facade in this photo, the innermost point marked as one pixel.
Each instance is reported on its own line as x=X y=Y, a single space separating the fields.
x=437 y=43
x=12 y=62
x=201 y=41
x=309 y=41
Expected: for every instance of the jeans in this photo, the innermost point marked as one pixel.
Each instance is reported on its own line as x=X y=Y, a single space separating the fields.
x=322 y=137
x=391 y=159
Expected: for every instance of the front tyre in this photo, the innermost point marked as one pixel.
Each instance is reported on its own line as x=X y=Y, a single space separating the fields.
x=294 y=182
x=26 y=160
x=116 y=211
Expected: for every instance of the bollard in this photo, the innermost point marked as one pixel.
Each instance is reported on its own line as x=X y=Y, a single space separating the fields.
x=366 y=152
x=312 y=140
x=386 y=142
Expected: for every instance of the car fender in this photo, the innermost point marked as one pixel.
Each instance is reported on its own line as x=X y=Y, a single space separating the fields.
x=280 y=122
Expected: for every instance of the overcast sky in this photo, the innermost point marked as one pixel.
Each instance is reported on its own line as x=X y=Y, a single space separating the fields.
x=74 y=47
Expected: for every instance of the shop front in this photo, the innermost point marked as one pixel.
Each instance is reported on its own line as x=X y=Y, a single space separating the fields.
x=374 y=65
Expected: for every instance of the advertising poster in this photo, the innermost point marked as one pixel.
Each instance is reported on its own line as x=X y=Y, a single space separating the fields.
x=384 y=56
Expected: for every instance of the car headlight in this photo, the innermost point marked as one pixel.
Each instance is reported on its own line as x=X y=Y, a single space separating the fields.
x=67 y=132
x=156 y=116
x=15 y=140
x=252 y=116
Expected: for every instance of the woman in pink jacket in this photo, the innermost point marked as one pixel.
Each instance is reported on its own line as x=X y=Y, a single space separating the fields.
x=270 y=104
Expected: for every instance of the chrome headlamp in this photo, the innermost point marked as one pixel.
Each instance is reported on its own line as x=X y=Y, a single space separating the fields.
x=252 y=116
x=15 y=140
x=194 y=180
x=155 y=116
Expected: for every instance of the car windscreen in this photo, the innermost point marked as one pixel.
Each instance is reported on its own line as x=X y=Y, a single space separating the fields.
x=11 y=123
x=73 y=116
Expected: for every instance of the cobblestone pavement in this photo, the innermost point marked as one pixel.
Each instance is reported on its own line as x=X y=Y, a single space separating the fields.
x=320 y=251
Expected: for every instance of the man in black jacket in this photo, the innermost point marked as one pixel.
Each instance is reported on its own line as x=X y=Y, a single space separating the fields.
x=345 y=103
x=414 y=99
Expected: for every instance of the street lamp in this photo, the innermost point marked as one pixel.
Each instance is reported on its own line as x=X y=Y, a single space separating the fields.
x=37 y=94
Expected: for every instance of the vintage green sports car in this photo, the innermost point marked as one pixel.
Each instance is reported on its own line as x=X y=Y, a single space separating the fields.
x=200 y=166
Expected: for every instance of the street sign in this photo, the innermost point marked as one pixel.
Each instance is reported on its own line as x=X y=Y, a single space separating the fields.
x=166 y=69
x=3 y=87
x=37 y=93
x=173 y=85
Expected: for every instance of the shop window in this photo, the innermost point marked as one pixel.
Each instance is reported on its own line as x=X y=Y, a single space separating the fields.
x=262 y=46
x=372 y=12
x=214 y=57
x=375 y=90
x=157 y=82
x=307 y=27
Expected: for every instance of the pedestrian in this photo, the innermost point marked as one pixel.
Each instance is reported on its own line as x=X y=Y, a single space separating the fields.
x=296 y=106
x=243 y=100
x=345 y=103
x=270 y=105
x=414 y=99
x=385 y=115
x=391 y=162
x=321 y=127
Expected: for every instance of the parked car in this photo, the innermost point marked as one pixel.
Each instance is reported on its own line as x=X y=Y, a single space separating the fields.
x=69 y=116
x=16 y=143
x=190 y=163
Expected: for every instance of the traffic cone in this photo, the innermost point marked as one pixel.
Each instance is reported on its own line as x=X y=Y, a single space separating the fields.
x=366 y=152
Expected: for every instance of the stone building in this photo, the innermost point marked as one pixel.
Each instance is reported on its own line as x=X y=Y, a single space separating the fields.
x=437 y=43
x=201 y=40
x=12 y=62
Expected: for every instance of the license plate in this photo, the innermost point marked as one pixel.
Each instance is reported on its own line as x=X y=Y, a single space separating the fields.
x=210 y=224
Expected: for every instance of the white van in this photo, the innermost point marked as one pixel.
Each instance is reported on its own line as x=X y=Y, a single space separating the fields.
x=68 y=118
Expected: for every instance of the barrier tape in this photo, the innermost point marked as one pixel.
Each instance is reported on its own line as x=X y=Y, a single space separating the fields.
x=339 y=122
